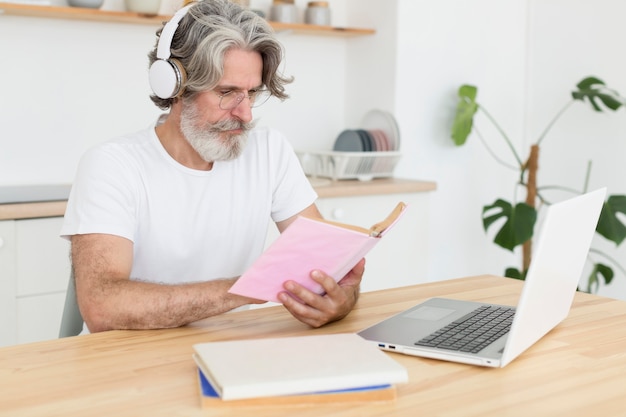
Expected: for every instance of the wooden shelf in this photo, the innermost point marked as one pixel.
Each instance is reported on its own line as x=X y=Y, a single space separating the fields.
x=32 y=210
x=79 y=13
x=320 y=30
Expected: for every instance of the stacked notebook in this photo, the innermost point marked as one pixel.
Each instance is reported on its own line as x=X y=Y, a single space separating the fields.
x=303 y=370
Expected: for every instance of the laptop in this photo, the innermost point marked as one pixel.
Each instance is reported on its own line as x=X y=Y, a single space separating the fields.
x=560 y=251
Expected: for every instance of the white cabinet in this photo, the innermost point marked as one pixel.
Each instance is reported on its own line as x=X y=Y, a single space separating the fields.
x=34 y=271
x=8 y=283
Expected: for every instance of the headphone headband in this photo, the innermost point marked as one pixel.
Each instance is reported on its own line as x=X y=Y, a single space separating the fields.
x=167 y=76
x=167 y=34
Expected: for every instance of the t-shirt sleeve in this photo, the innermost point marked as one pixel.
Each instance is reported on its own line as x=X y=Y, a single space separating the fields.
x=293 y=192
x=103 y=198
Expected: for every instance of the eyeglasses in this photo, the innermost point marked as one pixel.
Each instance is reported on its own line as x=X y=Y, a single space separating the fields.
x=231 y=99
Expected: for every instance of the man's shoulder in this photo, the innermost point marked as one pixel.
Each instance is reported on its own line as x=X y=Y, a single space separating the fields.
x=267 y=131
x=123 y=151
x=128 y=142
x=138 y=138
x=268 y=136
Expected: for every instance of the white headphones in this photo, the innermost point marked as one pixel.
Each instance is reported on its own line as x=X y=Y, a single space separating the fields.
x=167 y=76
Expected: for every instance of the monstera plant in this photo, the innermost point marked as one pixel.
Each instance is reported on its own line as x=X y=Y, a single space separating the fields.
x=519 y=217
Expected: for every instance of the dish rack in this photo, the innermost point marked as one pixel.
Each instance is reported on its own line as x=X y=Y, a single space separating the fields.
x=338 y=165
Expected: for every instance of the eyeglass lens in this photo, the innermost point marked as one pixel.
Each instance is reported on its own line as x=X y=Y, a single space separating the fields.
x=232 y=99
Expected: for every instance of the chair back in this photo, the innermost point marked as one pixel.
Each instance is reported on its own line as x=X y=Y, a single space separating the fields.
x=72 y=320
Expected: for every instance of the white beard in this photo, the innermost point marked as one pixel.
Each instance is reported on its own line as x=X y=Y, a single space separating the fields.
x=209 y=139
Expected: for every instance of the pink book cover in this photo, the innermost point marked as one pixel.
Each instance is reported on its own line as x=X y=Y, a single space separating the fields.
x=309 y=244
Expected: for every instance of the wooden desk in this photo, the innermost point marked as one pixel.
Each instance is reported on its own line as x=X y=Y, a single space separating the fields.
x=579 y=369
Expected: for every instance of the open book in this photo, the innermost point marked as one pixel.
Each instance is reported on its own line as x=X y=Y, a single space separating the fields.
x=309 y=244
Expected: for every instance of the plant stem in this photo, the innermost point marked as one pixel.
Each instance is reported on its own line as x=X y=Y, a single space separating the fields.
x=555 y=187
x=610 y=259
x=532 y=165
x=559 y=187
x=557 y=117
x=587 y=176
x=613 y=261
x=506 y=138
x=491 y=152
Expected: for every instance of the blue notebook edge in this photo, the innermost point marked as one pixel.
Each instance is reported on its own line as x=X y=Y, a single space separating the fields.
x=207 y=389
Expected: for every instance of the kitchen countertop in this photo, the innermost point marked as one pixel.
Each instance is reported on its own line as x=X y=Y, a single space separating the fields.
x=27 y=202
x=34 y=193
x=352 y=188
x=33 y=201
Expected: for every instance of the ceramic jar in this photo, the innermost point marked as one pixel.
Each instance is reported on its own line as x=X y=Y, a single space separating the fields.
x=317 y=13
x=145 y=7
x=91 y=4
x=243 y=3
x=284 y=12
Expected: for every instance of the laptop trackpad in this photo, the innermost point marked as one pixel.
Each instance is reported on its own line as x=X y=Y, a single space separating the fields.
x=429 y=313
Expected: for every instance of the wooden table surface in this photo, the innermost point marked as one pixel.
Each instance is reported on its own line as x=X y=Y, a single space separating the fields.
x=578 y=369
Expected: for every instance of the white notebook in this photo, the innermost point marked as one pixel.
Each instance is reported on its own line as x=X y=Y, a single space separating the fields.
x=255 y=368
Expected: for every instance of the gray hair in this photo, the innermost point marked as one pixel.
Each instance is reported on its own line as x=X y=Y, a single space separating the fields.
x=209 y=30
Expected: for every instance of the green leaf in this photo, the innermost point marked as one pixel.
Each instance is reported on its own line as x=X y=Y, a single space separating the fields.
x=465 y=111
x=610 y=101
x=594 y=89
x=515 y=273
x=599 y=271
x=589 y=82
x=609 y=224
x=519 y=224
x=606 y=272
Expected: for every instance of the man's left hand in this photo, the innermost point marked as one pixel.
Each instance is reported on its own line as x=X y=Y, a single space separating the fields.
x=317 y=310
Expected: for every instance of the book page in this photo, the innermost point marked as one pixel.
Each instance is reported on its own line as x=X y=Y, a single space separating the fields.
x=308 y=244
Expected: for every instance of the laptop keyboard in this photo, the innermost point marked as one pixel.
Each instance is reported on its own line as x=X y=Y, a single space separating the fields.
x=472 y=332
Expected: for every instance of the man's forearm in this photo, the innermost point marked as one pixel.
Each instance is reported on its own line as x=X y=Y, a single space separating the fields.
x=127 y=304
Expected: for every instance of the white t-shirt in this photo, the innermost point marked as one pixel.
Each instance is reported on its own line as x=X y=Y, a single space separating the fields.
x=187 y=225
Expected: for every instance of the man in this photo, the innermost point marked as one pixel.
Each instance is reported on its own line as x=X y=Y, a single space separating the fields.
x=163 y=221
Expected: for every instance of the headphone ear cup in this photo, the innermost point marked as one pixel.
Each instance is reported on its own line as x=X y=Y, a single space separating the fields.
x=167 y=78
x=182 y=75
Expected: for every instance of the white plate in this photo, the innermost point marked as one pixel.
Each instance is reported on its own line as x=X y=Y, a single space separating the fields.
x=382 y=120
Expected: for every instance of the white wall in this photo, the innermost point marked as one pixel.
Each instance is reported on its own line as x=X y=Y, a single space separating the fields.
x=443 y=45
x=570 y=40
x=526 y=57
x=66 y=85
